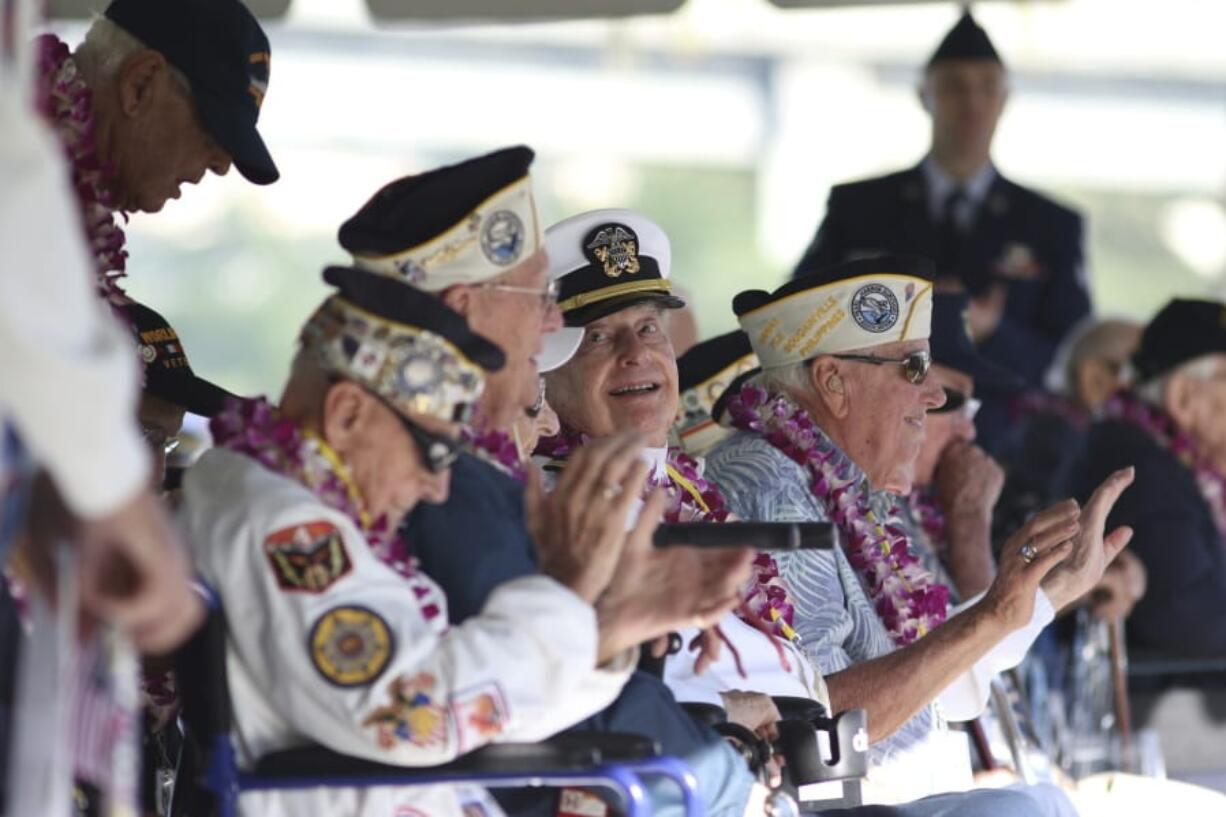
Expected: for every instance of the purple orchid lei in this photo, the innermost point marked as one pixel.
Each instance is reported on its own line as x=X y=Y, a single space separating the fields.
x=766 y=600
x=498 y=449
x=67 y=103
x=1129 y=408
x=255 y=429
x=928 y=512
x=905 y=595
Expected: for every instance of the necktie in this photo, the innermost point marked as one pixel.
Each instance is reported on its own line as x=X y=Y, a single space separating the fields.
x=951 y=235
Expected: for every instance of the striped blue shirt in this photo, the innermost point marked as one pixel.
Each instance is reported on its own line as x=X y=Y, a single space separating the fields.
x=836 y=621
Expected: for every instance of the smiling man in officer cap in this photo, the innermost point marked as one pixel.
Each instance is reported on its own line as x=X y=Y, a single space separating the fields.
x=1016 y=253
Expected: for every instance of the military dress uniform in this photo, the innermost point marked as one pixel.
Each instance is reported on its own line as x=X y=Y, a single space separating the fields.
x=984 y=231
x=332 y=642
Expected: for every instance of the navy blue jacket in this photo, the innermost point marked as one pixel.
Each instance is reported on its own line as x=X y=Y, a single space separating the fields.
x=1175 y=537
x=889 y=215
x=476 y=541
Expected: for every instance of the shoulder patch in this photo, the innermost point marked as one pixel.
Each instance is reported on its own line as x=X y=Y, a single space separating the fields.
x=307 y=558
x=350 y=646
x=411 y=715
x=480 y=714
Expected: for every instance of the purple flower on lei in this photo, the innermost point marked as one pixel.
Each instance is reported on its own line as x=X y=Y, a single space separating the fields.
x=905 y=595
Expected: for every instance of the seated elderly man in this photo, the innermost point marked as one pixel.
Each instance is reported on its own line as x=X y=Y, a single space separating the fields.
x=831 y=431
x=1170 y=425
x=480 y=536
x=158 y=95
x=624 y=377
x=344 y=642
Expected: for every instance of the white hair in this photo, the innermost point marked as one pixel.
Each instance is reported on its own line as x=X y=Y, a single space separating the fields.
x=104 y=49
x=791 y=379
x=1201 y=368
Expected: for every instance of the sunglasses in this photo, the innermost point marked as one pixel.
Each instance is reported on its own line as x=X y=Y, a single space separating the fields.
x=438 y=451
x=915 y=366
x=958 y=401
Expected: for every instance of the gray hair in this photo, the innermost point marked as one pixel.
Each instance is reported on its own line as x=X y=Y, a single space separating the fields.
x=1201 y=368
x=104 y=49
x=791 y=379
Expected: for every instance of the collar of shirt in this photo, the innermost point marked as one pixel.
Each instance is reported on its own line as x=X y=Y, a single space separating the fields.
x=657 y=458
x=940 y=184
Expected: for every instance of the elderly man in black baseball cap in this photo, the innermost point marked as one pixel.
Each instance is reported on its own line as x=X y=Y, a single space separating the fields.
x=158 y=95
x=1170 y=425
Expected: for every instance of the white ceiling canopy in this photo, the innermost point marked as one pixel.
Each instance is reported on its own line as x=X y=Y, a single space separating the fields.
x=84 y=9
x=501 y=10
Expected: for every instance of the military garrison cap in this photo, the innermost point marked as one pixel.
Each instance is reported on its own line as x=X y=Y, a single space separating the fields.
x=460 y=224
x=405 y=345
x=965 y=41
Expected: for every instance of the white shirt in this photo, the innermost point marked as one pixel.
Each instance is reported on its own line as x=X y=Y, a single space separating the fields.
x=940 y=184
x=359 y=663
x=70 y=373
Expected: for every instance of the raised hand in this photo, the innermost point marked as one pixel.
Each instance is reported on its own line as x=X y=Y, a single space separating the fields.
x=580 y=528
x=1092 y=550
x=1027 y=558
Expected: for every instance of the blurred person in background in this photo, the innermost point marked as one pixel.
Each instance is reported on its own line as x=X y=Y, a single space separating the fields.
x=1016 y=253
x=1170 y=424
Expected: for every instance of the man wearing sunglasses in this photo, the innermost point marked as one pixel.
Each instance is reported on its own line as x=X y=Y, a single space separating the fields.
x=831 y=430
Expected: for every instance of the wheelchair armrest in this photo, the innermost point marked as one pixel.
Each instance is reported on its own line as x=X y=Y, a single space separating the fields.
x=502 y=758
x=708 y=714
x=610 y=747
x=848 y=739
x=799 y=709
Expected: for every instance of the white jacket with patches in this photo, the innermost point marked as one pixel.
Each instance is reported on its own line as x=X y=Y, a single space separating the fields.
x=522 y=670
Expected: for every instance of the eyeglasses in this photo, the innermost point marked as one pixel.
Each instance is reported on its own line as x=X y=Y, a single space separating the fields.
x=159 y=439
x=547 y=296
x=915 y=365
x=958 y=401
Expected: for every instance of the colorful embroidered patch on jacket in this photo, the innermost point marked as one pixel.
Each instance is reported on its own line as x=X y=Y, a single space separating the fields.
x=412 y=716
x=307 y=558
x=350 y=646
x=480 y=714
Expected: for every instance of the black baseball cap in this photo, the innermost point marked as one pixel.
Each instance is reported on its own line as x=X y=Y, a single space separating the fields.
x=221 y=49
x=1184 y=330
x=168 y=375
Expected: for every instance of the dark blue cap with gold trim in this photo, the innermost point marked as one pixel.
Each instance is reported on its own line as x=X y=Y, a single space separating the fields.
x=606 y=261
x=221 y=49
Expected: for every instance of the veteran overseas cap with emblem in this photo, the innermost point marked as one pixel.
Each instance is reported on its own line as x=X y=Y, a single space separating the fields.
x=704 y=373
x=402 y=344
x=855 y=305
x=168 y=375
x=609 y=260
x=1184 y=330
x=965 y=41
x=223 y=52
x=460 y=224
x=953 y=348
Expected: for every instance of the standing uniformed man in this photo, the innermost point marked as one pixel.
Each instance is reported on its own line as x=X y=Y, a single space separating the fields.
x=1016 y=253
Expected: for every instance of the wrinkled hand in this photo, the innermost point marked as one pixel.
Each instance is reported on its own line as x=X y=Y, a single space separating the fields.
x=1121 y=587
x=580 y=528
x=1092 y=550
x=984 y=312
x=1011 y=597
x=753 y=710
x=134 y=572
x=968 y=480
x=656 y=591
